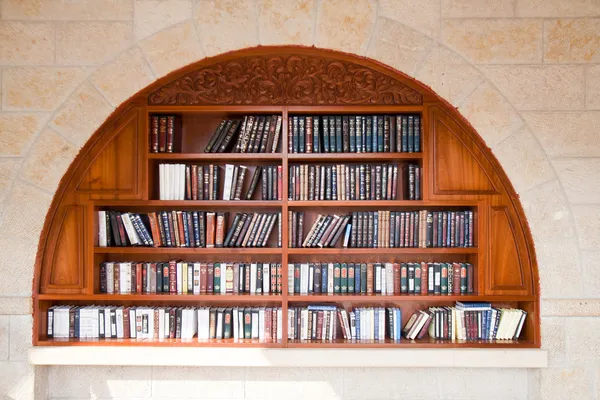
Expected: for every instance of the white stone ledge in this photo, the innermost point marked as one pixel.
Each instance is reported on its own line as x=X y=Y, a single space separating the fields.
x=252 y=357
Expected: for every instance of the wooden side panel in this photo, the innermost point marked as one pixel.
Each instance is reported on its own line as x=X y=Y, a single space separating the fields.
x=508 y=267
x=459 y=166
x=63 y=269
x=114 y=170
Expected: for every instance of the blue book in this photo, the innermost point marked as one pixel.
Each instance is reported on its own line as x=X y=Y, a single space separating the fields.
x=376 y=324
x=357 y=314
x=352 y=133
x=359 y=135
x=357 y=278
x=417 y=138
x=325 y=124
x=316 y=135
x=321 y=307
x=371 y=133
x=324 y=272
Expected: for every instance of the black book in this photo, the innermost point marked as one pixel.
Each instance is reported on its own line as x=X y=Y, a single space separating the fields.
x=392 y=133
x=358 y=132
x=216 y=135
x=262 y=143
x=301 y=135
x=352 y=134
x=114 y=227
x=339 y=144
x=237 y=229
x=243 y=231
x=332 y=135
x=295 y=135
x=404 y=133
x=411 y=134
x=226 y=136
x=254 y=182
x=371 y=134
x=316 y=134
x=234 y=224
x=417 y=134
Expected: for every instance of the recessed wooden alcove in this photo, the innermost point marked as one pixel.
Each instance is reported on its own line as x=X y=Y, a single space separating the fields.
x=116 y=170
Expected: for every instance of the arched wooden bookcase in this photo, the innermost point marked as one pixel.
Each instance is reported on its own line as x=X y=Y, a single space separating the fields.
x=115 y=170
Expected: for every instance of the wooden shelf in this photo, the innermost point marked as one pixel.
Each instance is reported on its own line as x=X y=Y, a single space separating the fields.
x=183 y=250
x=163 y=342
x=400 y=250
x=354 y=157
x=178 y=204
x=375 y=298
x=421 y=343
x=215 y=156
x=380 y=203
x=175 y=298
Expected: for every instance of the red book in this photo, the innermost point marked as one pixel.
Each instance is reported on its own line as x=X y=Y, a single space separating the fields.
x=138 y=278
x=203 y=277
x=210 y=271
x=396 y=268
x=279 y=182
x=424 y=282
x=173 y=277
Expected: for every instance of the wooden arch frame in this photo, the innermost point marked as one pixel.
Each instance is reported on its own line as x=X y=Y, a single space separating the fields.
x=460 y=170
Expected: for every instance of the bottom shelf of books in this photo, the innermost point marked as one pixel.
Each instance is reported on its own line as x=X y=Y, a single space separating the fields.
x=463 y=324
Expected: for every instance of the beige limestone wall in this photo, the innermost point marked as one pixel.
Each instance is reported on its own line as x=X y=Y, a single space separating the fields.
x=525 y=73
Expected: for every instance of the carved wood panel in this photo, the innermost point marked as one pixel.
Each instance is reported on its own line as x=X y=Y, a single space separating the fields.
x=285 y=79
x=113 y=171
x=63 y=267
x=508 y=269
x=459 y=165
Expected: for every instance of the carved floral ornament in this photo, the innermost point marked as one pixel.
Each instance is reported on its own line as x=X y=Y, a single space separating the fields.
x=285 y=80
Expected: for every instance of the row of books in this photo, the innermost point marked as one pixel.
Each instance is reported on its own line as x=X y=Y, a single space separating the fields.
x=466 y=321
x=424 y=278
x=162 y=133
x=352 y=182
x=354 y=134
x=384 y=229
x=189 y=277
x=157 y=323
x=202 y=182
x=185 y=229
x=254 y=133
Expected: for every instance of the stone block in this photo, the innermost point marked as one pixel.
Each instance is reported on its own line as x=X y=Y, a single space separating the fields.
x=390 y=383
x=17 y=258
x=421 y=15
x=566 y=134
x=20 y=336
x=18 y=131
x=100 y=381
x=17 y=381
x=556 y=280
x=81 y=114
x=570 y=307
x=287 y=21
x=495 y=41
x=491 y=384
x=151 y=16
x=48 y=160
x=557 y=8
x=571 y=40
x=548 y=213
x=478 y=8
x=225 y=25
x=8 y=171
x=590 y=262
x=15 y=305
x=524 y=160
x=565 y=383
x=539 y=87
x=26 y=43
x=449 y=75
x=199 y=383
x=4 y=337
x=592 y=87
x=38 y=88
x=583 y=342
x=123 y=77
x=398 y=46
x=553 y=339
x=172 y=48
x=296 y=383
x=579 y=178
x=91 y=43
x=586 y=222
x=67 y=10
x=25 y=211
x=345 y=24
x=491 y=115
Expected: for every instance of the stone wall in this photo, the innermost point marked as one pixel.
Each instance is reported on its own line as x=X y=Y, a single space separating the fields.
x=525 y=73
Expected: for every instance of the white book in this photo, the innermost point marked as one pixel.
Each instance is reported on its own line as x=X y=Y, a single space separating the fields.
x=203 y=323
x=223 y=278
x=241 y=323
x=167 y=325
x=290 y=279
x=110 y=278
x=122 y=277
x=235 y=324
x=266 y=278
x=179 y=278
x=134 y=238
x=102 y=238
x=330 y=278
x=389 y=278
x=253 y=269
x=381 y=323
x=196 y=278
x=261 y=323
x=378 y=278
x=303 y=278
x=228 y=181
x=311 y=274
x=353 y=324
x=279 y=324
x=255 y=323
x=119 y=313
x=162 y=181
x=304 y=324
x=169 y=179
x=181 y=182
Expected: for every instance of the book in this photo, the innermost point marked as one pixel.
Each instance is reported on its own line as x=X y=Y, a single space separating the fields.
x=165 y=133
